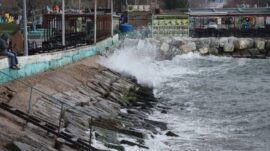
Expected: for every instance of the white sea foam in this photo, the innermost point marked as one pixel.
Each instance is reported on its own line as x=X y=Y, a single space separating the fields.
x=140 y=58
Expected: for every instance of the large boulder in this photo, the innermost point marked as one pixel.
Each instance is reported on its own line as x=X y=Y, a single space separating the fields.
x=267 y=45
x=244 y=43
x=232 y=39
x=229 y=47
x=177 y=42
x=213 y=51
x=204 y=51
x=164 y=48
x=223 y=41
x=171 y=134
x=188 y=47
x=260 y=44
x=205 y=41
x=214 y=46
x=214 y=43
x=202 y=43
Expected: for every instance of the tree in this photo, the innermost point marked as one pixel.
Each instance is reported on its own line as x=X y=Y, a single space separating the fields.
x=172 y=4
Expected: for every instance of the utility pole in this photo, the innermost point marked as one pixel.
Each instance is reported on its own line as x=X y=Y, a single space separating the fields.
x=112 y=18
x=25 y=29
x=80 y=6
x=63 y=24
x=95 y=25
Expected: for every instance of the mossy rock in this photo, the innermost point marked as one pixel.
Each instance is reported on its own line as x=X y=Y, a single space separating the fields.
x=131 y=98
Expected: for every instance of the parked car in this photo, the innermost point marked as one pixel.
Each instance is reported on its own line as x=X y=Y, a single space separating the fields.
x=212 y=25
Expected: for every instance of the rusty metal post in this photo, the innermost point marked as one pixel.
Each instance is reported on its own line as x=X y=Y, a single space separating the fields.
x=60 y=118
x=30 y=101
x=29 y=106
x=91 y=131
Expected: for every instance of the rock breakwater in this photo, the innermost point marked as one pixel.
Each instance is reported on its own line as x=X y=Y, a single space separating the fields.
x=225 y=46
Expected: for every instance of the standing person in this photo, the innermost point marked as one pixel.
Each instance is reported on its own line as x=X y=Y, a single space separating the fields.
x=4 y=50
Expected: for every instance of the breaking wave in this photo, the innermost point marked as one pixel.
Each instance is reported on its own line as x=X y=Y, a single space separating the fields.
x=217 y=103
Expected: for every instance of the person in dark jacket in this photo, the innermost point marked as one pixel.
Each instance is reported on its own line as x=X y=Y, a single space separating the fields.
x=4 y=50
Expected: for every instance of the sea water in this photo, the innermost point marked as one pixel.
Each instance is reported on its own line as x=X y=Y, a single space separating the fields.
x=216 y=103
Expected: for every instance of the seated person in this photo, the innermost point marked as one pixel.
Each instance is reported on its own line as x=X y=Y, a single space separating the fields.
x=6 y=51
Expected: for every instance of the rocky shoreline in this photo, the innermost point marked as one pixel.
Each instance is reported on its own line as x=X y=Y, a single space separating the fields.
x=224 y=46
x=110 y=106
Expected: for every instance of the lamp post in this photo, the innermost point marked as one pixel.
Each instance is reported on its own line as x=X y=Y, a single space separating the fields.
x=25 y=29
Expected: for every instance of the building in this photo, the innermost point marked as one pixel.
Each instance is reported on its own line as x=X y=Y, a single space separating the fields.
x=239 y=22
x=215 y=3
x=207 y=3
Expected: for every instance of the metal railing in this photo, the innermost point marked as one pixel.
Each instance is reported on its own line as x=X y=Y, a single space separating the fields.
x=63 y=105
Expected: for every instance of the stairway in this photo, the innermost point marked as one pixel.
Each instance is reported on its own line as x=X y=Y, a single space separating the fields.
x=50 y=128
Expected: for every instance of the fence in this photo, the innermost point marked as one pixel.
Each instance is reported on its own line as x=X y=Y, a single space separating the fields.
x=223 y=25
x=79 y=30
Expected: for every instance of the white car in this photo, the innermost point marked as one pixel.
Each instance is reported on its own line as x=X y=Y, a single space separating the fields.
x=212 y=25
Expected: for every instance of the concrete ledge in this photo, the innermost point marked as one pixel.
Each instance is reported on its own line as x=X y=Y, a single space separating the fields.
x=42 y=62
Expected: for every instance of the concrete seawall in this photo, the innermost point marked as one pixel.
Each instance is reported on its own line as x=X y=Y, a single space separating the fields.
x=94 y=100
x=42 y=62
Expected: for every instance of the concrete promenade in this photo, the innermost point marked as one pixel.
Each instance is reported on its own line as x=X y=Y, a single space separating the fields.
x=42 y=62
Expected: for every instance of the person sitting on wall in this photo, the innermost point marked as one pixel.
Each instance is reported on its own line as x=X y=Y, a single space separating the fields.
x=6 y=51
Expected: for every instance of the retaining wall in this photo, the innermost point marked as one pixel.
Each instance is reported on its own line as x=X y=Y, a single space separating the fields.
x=42 y=62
